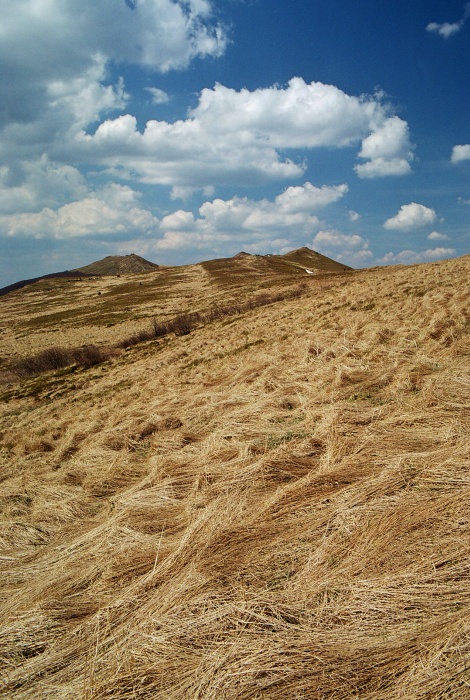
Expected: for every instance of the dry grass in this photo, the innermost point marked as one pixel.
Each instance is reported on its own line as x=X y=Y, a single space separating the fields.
x=274 y=506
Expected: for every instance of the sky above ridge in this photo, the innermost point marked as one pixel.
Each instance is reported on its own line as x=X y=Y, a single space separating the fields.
x=189 y=130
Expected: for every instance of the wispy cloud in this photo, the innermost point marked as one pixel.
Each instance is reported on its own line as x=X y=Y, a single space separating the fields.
x=409 y=257
x=448 y=29
x=159 y=97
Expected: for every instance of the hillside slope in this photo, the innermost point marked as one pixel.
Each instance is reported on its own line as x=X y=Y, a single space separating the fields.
x=275 y=505
x=119 y=265
x=111 y=265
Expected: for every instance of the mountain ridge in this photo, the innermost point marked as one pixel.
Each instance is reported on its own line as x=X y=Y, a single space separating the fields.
x=132 y=264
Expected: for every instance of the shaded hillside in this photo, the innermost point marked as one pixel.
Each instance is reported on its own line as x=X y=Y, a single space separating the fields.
x=314 y=261
x=74 y=274
x=243 y=266
x=273 y=506
x=119 y=265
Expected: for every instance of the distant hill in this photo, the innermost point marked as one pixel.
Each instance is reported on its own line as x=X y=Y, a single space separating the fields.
x=110 y=265
x=119 y=265
x=53 y=275
x=298 y=262
x=313 y=260
x=303 y=257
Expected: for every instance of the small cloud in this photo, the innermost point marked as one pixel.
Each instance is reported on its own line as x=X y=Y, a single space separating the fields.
x=460 y=153
x=436 y=236
x=354 y=216
x=335 y=239
x=411 y=216
x=350 y=249
x=438 y=253
x=159 y=97
x=447 y=29
x=388 y=151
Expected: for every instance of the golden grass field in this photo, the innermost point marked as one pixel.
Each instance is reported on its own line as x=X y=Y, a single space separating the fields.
x=275 y=506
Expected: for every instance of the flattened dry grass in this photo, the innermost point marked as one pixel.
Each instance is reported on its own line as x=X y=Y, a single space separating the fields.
x=274 y=508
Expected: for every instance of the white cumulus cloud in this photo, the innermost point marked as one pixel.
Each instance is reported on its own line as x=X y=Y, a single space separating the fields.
x=388 y=150
x=411 y=216
x=238 y=137
x=30 y=186
x=112 y=211
x=353 y=250
x=55 y=57
x=159 y=97
x=354 y=215
x=251 y=224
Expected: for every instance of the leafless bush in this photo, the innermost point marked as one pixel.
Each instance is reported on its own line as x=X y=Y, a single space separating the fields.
x=159 y=329
x=185 y=323
x=135 y=339
x=90 y=355
x=57 y=358
x=52 y=358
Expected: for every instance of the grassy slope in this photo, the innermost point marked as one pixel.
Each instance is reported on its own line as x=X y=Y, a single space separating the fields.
x=275 y=506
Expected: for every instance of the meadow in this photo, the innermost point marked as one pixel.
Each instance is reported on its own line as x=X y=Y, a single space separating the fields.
x=273 y=504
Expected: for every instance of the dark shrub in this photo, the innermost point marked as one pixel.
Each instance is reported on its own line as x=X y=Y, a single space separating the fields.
x=185 y=323
x=91 y=355
x=52 y=358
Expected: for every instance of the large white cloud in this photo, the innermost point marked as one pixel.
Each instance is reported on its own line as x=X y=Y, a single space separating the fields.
x=54 y=61
x=411 y=216
x=436 y=236
x=59 y=37
x=58 y=102
x=238 y=136
x=33 y=185
x=63 y=121
x=114 y=211
x=56 y=51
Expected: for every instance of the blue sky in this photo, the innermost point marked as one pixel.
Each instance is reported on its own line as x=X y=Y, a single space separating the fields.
x=185 y=131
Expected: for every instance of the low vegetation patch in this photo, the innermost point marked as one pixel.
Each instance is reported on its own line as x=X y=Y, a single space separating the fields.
x=184 y=323
x=57 y=358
